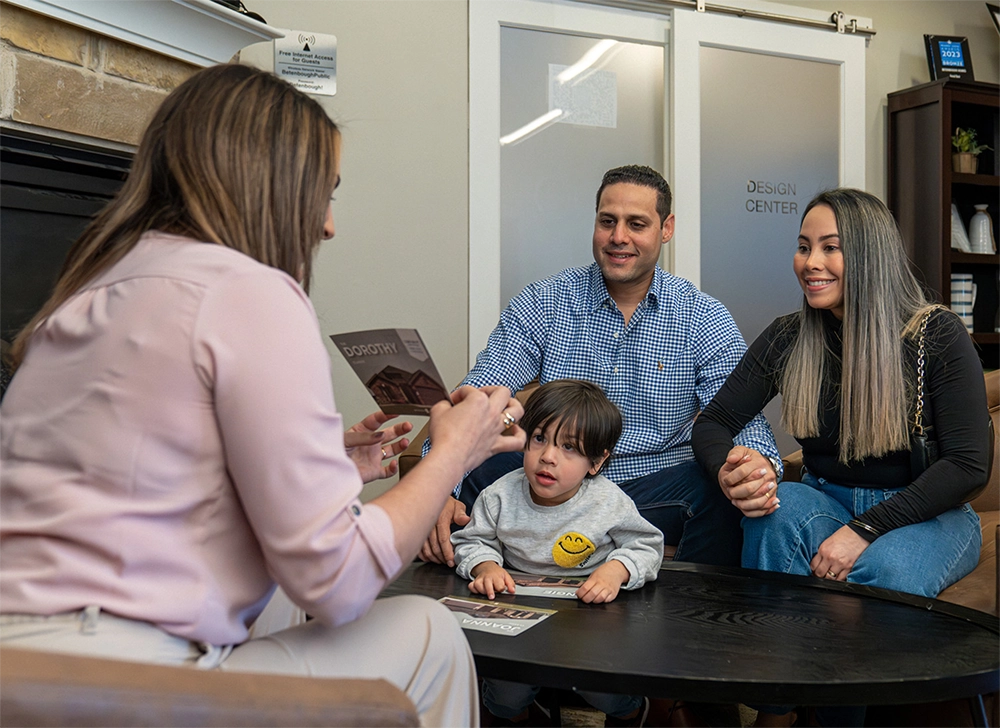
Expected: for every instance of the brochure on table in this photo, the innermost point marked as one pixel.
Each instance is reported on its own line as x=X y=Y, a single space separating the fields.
x=482 y=615
x=556 y=587
x=395 y=367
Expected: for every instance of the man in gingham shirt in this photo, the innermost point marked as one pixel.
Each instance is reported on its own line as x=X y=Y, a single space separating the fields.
x=658 y=347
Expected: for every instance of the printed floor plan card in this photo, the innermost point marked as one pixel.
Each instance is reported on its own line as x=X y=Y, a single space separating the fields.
x=483 y=615
x=556 y=587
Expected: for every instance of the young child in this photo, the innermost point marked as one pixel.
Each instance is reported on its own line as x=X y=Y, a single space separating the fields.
x=558 y=517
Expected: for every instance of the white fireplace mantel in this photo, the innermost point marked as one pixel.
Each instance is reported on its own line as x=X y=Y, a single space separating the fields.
x=201 y=32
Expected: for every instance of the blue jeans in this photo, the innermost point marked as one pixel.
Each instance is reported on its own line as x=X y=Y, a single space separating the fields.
x=506 y=699
x=923 y=558
x=682 y=501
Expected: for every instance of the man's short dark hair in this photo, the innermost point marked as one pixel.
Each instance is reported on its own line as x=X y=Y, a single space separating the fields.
x=636 y=174
x=580 y=406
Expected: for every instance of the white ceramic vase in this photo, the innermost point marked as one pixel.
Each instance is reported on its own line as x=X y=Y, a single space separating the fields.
x=981 y=231
x=959 y=238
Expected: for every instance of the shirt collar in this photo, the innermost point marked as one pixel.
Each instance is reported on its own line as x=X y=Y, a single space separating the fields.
x=599 y=295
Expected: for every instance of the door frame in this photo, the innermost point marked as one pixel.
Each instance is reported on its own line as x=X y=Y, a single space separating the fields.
x=486 y=18
x=690 y=31
x=682 y=32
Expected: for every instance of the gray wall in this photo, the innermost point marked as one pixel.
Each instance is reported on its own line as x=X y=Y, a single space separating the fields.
x=400 y=258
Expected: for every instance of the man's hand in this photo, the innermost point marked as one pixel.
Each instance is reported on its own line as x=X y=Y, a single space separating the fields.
x=748 y=480
x=489 y=578
x=604 y=583
x=437 y=548
x=368 y=446
x=836 y=555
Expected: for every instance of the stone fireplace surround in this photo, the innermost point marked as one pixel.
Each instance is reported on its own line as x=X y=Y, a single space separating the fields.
x=73 y=105
x=97 y=69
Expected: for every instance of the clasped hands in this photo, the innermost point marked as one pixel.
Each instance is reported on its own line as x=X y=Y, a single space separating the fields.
x=603 y=584
x=748 y=480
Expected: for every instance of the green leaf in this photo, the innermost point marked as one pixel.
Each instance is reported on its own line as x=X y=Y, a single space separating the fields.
x=964 y=141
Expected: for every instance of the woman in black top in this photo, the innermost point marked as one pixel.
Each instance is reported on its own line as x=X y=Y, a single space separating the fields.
x=846 y=367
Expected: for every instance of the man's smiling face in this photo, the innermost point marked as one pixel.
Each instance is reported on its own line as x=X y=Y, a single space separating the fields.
x=628 y=234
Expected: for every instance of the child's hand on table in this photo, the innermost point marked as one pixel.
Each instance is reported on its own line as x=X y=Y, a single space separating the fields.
x=604 y=583
x=489 y=578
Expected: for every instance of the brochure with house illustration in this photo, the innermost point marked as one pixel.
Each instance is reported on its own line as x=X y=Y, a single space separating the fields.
x=556 y=587
x=395 y=367
x=482 y=615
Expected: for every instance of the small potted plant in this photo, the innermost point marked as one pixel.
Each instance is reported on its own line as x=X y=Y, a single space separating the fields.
x=966 y=154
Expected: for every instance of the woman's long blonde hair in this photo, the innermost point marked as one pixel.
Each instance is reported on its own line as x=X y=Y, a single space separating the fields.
x=234 y=156
x=883 y=305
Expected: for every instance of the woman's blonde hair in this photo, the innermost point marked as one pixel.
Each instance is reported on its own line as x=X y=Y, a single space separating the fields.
x=883 y=305
x=234 y=156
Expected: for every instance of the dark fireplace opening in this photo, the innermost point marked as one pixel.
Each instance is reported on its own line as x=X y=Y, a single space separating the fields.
x=50 y=189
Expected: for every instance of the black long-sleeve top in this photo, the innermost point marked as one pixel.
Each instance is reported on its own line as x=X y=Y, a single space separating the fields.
x=954 y=407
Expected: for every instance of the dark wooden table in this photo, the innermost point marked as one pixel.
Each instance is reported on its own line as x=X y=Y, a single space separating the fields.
x=722 y=635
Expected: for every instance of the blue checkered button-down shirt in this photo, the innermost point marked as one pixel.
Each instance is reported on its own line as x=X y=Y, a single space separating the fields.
x=661 y=369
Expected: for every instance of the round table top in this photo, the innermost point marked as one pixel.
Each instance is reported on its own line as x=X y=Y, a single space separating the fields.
x=718 y=634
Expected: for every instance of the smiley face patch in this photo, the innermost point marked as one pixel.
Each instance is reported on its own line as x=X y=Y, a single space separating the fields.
x=572 y=549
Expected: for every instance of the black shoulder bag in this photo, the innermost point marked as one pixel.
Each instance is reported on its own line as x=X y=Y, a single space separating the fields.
x=923 y=450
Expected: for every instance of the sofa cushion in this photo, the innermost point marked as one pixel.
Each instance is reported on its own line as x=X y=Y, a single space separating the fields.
x=989 y=499
x=978 y=590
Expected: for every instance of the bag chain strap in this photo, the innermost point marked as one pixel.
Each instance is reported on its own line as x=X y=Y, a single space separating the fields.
x=918 y=428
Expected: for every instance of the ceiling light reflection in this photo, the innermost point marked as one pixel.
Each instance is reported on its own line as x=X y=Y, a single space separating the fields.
x=587 y=60
x=531 y=127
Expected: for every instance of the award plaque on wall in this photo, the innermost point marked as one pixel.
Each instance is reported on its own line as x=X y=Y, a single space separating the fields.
x=948 y=57
x=995 y=14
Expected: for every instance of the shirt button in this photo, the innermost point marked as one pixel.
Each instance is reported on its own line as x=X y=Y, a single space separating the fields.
x=356 y=510
x=616 y=370
x=615 y=335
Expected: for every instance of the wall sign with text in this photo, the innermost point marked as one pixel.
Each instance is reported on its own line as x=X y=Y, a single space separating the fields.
x=308 y=61
x=948 y=57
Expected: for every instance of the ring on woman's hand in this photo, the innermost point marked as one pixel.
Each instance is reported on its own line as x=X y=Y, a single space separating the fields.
x=508 y=419
x=831 y=575
x=384 y=456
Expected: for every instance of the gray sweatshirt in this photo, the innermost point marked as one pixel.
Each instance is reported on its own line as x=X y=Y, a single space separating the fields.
x=599 y=523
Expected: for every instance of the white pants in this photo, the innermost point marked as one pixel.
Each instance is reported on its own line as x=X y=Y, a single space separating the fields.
x=410 y=641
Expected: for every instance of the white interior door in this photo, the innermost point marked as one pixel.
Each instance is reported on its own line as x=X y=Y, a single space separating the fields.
x=767 y=115
x=559 y=93
x=696 y=39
